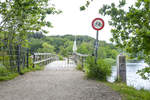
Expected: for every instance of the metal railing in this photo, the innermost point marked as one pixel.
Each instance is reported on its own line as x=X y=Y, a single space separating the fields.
x=79 y=58
x=15 y=58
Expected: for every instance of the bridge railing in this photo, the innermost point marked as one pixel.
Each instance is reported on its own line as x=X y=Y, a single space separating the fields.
x=43 y=58
x=79 y=58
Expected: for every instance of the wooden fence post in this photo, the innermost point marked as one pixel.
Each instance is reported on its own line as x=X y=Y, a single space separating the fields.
x=121 y=68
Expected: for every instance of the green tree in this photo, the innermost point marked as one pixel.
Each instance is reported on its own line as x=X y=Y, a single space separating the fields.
x=131 y=29
x=35 y=44
x=47 y=48
x=23 y=17
x=85 y=48
x=66 y=50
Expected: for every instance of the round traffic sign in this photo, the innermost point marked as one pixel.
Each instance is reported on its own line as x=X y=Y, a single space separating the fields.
x=98 y=24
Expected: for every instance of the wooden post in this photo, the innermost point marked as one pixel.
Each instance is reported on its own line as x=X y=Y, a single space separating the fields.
x=121 y=68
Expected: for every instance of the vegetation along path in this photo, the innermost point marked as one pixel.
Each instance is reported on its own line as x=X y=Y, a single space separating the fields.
x=56 y=84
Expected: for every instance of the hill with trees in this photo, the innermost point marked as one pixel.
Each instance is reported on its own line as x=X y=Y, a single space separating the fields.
x=63 y=45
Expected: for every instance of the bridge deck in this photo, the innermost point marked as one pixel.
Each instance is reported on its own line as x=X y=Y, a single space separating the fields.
x=53 y=84
x=61 y=65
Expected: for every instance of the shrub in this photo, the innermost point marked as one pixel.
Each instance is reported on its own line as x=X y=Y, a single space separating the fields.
x=3 y=71
x=79 y=67
x=110 y=61
x=100 y=71
x=60 y=58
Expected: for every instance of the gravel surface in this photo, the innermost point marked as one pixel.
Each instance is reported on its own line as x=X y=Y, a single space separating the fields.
x=62 y=84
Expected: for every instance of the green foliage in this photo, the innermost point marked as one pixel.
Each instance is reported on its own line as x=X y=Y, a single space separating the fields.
x=85 y=6
x=5 y=74
x=63 y=45
x=66 y=50
x=100 y=71
x=8 y=77
x=110 y=61
x=85 y=48
x=145 y=73
x=102 y=53
x=130 y=28
x=3 y=71
x=82 y=8
x=106 y=50
x=60 y=57
x=79 y=67
x=35 y=44
x=21 y=18
x=130 y=93
x=46 y=48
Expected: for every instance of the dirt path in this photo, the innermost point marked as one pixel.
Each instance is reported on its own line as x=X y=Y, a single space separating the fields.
x=67 y=84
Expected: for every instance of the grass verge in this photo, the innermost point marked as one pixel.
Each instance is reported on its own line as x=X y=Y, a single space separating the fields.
x=10 y=75
x=129 y=93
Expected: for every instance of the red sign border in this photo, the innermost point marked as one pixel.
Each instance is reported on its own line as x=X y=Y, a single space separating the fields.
x=101 y=21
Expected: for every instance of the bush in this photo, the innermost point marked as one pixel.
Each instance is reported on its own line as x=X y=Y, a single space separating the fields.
x=3 y=71
x=61 y=58
x=110 y=61
x=100 y=71
x=79 y=67
x=5 y=74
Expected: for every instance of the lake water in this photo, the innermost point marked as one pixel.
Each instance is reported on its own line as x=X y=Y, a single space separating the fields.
x=133 y=79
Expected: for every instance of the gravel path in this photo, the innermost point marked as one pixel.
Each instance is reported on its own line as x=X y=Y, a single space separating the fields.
x=67 y=84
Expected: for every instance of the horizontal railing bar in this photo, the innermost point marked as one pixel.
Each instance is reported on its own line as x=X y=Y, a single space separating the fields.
x=36 y=62
x=36 y=54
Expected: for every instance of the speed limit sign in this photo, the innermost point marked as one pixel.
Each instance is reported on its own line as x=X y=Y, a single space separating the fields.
x=98 y=24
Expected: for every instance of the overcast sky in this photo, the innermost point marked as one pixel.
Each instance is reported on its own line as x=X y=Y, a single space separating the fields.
x=76 y=22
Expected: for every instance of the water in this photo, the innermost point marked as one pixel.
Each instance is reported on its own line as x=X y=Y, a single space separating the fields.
x=133 y=79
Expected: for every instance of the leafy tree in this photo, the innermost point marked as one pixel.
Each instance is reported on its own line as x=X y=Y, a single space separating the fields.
x=47 y=48
x=85 y=48
x=67 y=48
x=35 y=44
x=63 y=51
x=131 y=29
x=22 y=17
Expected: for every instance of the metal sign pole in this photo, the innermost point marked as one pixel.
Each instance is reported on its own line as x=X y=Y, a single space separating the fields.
x=96 y=50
